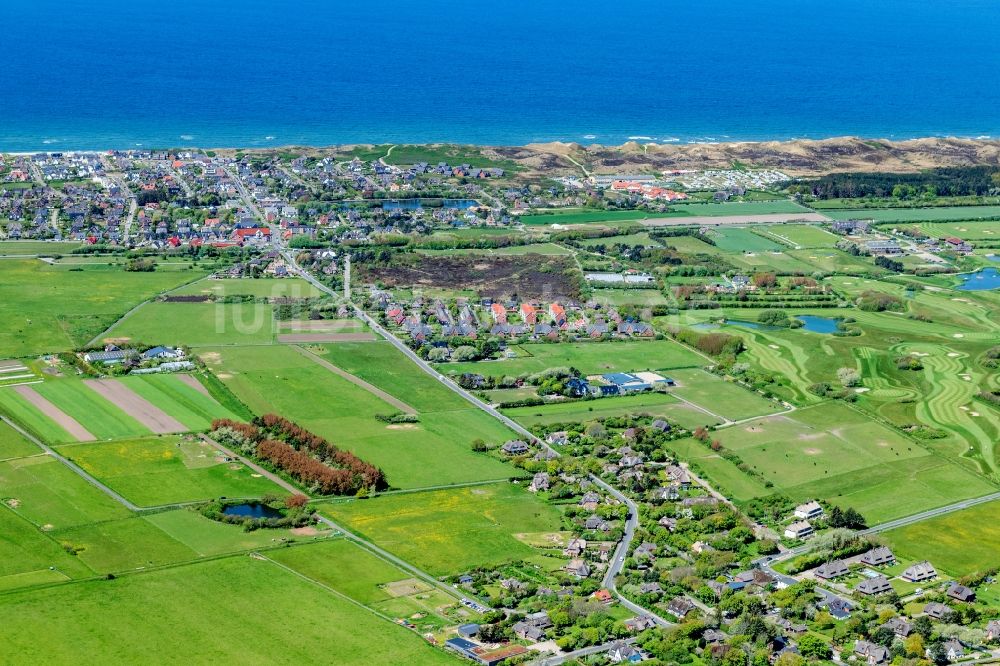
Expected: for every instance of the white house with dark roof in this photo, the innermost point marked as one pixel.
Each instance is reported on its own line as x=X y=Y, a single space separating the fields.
x=919 y=572
x=878 y=556
x=808 y=511
x=799 y=530
x=832 y=569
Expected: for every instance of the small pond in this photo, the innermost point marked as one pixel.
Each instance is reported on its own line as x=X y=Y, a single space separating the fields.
x=818 y=324
x=984 y=278
x=252 y=511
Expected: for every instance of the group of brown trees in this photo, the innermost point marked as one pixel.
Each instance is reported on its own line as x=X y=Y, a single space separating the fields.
x=305 y=456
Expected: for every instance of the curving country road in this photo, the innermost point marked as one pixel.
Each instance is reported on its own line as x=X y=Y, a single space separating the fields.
x=633 y=521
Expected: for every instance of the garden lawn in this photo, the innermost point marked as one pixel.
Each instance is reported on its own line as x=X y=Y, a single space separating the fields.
x=166 y=470
x=719 y=396
x=47 y=308
x=48 y=494
x=182 y=615
x=957 y=543
x=198 y=324
x=436 y=450
x=259 y=287
x=661 y=405
x=450 y=531
x=590 y=358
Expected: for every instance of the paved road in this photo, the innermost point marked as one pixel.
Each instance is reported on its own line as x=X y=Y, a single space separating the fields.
x=616 y=564
x=931 y=513
x=618 y=559
x=180 y=180
x=421 y=363
x=245 y=195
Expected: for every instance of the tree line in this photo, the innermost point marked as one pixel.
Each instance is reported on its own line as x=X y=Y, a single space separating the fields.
x=303 y=455
x=943 y=181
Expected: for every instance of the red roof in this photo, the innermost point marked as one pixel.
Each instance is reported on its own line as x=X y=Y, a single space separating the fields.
x=245 y=233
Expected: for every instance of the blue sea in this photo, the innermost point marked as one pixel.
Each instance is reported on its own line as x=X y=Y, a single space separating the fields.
x=100 y=74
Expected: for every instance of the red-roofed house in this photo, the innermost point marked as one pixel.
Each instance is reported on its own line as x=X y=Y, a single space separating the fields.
x=529 y=314
x=499 y=313
x=558 y=314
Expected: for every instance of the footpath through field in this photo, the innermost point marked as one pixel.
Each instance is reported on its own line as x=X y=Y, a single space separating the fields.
x=357 y=381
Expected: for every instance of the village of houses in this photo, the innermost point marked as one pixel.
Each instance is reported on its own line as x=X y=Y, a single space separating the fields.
x=681 y=572
x=696 y=561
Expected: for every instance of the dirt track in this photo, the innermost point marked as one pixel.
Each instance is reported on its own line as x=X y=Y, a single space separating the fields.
x=357 y=381
x=65 y=421
x=135 y=406
x=195 y=384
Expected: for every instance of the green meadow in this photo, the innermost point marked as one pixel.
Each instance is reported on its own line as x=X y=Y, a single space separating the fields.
x=727 y=399
x=29 y=248
x=662 y=405
x=590 y=358
x=798 y=235
x=30 y=556
x=835 y=453
x=449 y=531
x=48 y=494
x=198 y=324
x=258 y=287
x=14 y=445
x=436 y=450
x=162 y=470
x=105 y=420
x=180 y=615
x=47 y=308
x=742 y=239
x=916 y=214
x=957 y=543
x=381 y=364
